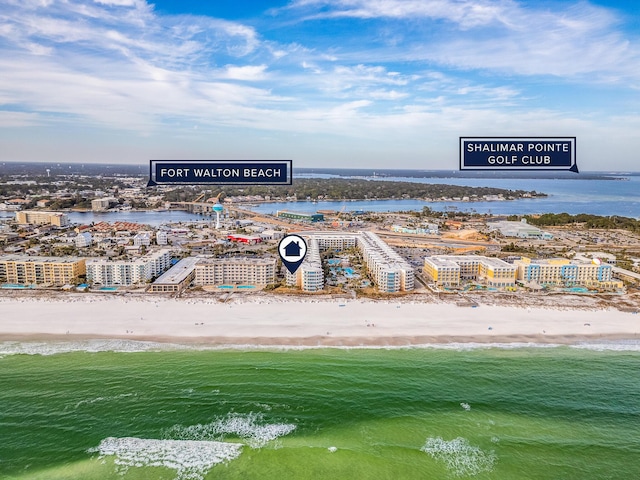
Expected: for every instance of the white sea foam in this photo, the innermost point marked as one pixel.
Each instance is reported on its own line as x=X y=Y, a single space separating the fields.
x=457 y=346
x=90 y=346
x=465 y=406
x=459 y=457
x=615 y=345
x=249 y=427
x=134 y=346
x=190 y=459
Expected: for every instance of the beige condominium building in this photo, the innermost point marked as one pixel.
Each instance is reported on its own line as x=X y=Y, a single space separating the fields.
x=36 y=217
x=235 y=271
x=452 y=270
x=203 y=271
x=102 y=204
x=177 y=278
x=26 y=270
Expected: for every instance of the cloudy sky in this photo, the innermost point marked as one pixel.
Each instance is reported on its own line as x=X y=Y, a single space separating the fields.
x=351 y=83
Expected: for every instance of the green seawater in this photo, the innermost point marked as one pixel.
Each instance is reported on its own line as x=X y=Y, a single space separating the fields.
x=486 y=413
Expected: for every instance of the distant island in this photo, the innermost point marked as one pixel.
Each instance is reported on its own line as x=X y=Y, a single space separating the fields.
x=490 y=174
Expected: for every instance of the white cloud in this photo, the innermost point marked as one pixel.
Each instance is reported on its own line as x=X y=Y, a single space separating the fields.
x=248 y=72
x=19 y=119
x=575 y=40
x=387 y=94
x=467 y=14
x=119 y=3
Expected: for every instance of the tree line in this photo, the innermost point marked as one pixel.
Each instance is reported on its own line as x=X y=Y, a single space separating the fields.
x=586 y=220
x=357 y=189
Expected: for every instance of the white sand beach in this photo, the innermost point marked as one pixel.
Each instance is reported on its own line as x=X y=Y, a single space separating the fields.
x=278 y=321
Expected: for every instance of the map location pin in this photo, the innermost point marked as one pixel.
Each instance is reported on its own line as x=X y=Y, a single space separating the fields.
x=292 y=250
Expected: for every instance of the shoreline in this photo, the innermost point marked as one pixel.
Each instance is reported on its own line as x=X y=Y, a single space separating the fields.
x=398 y=342
x=308 y=322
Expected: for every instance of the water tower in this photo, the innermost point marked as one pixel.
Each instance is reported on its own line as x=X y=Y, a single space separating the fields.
x=218 y=209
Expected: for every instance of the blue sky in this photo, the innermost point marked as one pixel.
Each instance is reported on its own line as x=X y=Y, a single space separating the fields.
x=351 y=83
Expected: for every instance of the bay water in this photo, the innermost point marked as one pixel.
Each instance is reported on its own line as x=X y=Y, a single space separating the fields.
x=591 y=196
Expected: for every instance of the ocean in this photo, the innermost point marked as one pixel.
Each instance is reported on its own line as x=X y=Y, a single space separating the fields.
x=101 y=410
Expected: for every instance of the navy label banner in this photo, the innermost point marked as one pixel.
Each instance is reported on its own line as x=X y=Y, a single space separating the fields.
x=518 y=153
x=235 y=172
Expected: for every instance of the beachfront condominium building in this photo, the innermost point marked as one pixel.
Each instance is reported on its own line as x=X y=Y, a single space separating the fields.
x=561 y=271
x=177 y=278
x=26 y=270
x=309 y=276
x=37 y=217
x=235 y=271
x=109 y=273
x=390 y=272
x=452 y=270
x=442 y=271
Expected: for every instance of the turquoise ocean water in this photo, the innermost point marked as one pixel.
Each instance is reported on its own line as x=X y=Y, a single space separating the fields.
x=84 y=412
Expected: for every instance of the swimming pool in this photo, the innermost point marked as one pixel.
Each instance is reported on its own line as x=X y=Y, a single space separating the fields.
x=576 y=290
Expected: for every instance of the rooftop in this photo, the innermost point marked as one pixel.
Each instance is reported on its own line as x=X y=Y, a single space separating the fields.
x=179 y=272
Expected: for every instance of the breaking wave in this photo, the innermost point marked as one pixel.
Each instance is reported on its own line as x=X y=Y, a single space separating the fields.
x=134 y=346
x=251 y=428
x=459 y=457
x=190 y=459
x=89 y=346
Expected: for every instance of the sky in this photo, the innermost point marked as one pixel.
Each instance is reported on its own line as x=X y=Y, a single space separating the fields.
x=326 y=83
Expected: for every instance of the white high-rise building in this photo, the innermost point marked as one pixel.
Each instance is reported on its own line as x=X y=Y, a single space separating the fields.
x=390 y=272
x=127 y=272
x=309 y=276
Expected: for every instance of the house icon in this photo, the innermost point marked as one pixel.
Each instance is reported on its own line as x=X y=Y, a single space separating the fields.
x=292 y=249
